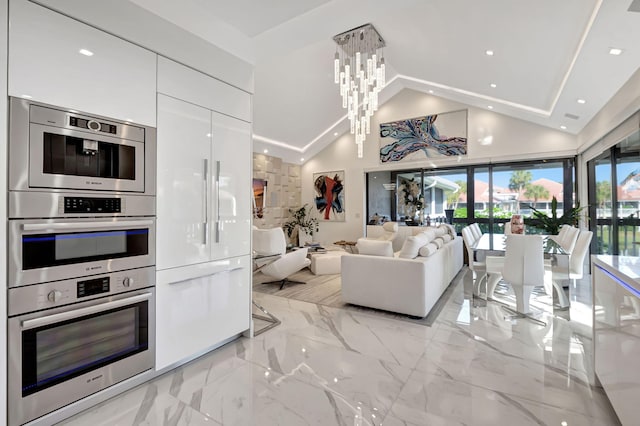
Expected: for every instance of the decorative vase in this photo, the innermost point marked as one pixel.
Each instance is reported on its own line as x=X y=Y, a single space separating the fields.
x=304 y=237
x=517 y=224
x=449 y=215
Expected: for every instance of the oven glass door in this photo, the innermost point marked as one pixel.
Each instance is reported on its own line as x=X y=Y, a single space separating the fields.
x=65 y=248
x=59 y=249
x=63 y=158
x=62 y=346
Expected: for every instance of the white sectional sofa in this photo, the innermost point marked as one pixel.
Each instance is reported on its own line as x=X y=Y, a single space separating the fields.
x=399 y=283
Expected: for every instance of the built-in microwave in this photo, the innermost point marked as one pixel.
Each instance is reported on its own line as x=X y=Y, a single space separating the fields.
x=55 y=235
x=68 y=150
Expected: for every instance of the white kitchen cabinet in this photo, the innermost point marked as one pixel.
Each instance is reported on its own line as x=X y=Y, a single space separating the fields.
x=200 y=307
x=190 y=85
x=232 y=153
x=616 y=328
x=184 y=199
x=45 y=64
x=204 y=184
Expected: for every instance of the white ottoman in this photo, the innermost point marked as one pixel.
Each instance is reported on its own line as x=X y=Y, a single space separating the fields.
x=326 y=263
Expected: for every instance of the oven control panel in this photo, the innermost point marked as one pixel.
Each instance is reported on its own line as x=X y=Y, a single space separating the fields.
x=59 y=293
x=93 y=287
x=92 y=205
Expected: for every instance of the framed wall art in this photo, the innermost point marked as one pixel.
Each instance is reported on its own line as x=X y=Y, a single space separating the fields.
x=329 y=195
x=414 y=139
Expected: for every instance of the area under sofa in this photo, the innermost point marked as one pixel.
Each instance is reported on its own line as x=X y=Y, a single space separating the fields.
x=408 y=286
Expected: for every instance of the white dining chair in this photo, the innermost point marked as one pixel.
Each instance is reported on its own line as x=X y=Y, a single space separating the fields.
x=477 y=267
x=475 y=229
x=580 y=250
x=524 y=269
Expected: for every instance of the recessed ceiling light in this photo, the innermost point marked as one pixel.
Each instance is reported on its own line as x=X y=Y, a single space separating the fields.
x=302 y=159
x=265 y=151
x=488 y=52
x=582 y=101
x=493 y=85
x=208 y=135
x=85 y=52
x=615 y=51
x=129 y=120
x=430 y=91
x=563 y=127
x=490 y=106
x=335 y=133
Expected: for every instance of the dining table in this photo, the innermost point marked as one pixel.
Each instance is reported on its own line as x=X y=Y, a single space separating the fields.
x=489 y=247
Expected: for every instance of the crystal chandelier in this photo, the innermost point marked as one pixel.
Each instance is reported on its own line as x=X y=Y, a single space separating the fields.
x=359 y=71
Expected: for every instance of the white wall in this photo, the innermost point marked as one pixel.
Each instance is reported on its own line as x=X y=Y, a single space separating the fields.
x=513 y=139
x=4 y=29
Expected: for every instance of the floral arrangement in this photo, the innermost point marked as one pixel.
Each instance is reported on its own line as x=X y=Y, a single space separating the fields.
x=301 y=219
x=412 y=197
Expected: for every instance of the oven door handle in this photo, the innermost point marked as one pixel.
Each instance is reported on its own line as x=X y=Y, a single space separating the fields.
x=63 y=316
x=84 y=225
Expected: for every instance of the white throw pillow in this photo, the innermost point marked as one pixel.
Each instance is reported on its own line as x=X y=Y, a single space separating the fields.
x=428 y=250
x=440 y=231
x=439 y=242
x=375 y=247
x=451 y=230
x=446 y=238
x=412 y=245
x=430 y=234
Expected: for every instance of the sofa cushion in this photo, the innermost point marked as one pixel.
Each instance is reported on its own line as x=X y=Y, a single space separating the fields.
x=428 y=250
x=412 y=245
x=375 y=247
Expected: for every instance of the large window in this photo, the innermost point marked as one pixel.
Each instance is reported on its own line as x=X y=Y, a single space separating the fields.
x=614 y=198
x=422 y=196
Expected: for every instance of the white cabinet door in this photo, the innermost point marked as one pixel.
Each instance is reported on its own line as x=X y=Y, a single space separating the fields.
x=197 y=314
x=190 y=85
x=231 y=230
x=183 y=191
x=45 y=64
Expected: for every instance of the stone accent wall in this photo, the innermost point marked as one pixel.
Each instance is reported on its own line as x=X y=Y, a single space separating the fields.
x=283 y=189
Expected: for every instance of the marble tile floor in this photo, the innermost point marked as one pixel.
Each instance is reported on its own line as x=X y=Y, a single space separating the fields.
x=329 y=366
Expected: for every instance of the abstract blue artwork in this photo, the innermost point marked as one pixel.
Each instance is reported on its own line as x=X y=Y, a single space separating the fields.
x=424 y=137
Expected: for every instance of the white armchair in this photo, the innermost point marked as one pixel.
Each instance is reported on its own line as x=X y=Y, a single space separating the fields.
x=272 y=242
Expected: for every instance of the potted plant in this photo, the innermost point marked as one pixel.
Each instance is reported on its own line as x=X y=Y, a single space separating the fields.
x=551 y=224
x=301 y=224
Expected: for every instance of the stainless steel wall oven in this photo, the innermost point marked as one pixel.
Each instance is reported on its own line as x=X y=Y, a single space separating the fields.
x=81 y=256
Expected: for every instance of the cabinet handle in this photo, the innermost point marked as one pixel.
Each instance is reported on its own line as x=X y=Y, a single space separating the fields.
x=205 y=223
x=64 y=316
x=218 y=201
x=207 y=274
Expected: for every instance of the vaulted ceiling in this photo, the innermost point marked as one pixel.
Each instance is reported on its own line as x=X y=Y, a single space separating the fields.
x=548 y=55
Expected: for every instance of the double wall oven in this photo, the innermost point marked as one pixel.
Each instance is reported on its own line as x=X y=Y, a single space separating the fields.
x=81 y=256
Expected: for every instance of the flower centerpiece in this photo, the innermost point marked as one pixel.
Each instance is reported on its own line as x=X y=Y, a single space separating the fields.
x=301 y=225
x=412 y=200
